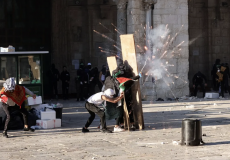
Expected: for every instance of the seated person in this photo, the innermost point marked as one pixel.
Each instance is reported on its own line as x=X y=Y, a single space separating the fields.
x=198 y=80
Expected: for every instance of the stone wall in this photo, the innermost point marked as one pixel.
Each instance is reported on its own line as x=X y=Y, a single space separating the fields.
x=73 y=36
x=175 y=14
x=206 y=33
x=209 y=29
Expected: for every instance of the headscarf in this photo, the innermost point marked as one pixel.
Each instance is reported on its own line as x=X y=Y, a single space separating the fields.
x=15 y=92
x=9 y=85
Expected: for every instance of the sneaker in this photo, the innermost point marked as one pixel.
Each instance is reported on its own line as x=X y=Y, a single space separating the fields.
x=29 y=129
x=4 y=134
x=133 y=128
x=221 y=97
x=118 y=129
x=106 y=131
x=84 y=130
x=99 y=126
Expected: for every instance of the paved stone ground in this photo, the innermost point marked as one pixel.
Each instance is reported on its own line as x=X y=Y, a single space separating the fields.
x=163 y=126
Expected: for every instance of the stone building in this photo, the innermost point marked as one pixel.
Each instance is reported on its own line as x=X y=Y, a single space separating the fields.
x=74 y=22
x=73 y=31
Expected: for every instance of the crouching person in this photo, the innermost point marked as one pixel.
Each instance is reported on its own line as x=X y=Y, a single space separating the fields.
x=92 y=107
x=14 y=96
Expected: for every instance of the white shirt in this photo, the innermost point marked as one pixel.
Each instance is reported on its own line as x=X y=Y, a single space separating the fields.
x=96 y=98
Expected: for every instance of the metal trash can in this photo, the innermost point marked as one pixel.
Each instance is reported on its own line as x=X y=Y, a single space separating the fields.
x=191 y=132
x=58 y=113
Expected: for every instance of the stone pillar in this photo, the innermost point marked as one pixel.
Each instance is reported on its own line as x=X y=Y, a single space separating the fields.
x=174 y=14
x=121 y=19
x=149 y=20
x=149 y=89
x=59 y=45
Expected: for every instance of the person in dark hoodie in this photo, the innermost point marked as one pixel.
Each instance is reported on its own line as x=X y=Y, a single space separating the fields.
x=213 y=73
x=226 y=86
x=122 y=79
x=102 y=77
x=54 y=79
x=79 y=80
x=92 y=80
x=199 y=79
x=65 y=78
x=222 y=74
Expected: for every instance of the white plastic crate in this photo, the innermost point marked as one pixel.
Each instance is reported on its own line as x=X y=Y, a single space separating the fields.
x=212 y=95
x=48 y=114
x=48 y=124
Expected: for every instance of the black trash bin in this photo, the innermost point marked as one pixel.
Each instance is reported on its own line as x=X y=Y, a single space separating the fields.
x=58 y=113
x=191 y=132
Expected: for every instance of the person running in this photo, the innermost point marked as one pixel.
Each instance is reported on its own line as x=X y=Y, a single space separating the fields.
x=92 y=107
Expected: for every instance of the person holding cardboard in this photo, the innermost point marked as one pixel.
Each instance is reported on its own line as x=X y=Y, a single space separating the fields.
x=13 y=95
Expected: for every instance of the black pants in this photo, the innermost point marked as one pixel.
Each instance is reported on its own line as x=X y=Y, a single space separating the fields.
x=85 y=90
x=215 y=83
x=91 y=89
x=100 y=85
x=54 y=84
x=119 y=120
x=79 y=90
x=221 y=85
x=196 y=89
x=93 y=109
x=226 y=87
x=65 y=89
x=128 y=99
x=23 y=111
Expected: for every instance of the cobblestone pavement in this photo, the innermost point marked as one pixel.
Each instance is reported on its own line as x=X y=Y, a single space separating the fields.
x=163 y=126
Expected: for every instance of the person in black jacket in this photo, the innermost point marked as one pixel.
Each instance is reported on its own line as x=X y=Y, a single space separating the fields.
x=222 y=74
x=54 y=79
x=123 y=72
x=54 y=76
x=213 y=73
x=93 y=75
x=65 y=78
x=227 y=75
x=197 y=80
x=79 y=80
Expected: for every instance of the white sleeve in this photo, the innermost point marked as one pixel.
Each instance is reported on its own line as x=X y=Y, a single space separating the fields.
x=28 y=92
x=103 y=88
